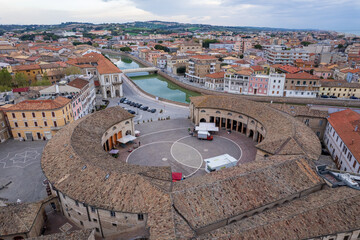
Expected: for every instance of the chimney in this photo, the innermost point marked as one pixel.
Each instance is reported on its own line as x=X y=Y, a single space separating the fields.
x=57 y=89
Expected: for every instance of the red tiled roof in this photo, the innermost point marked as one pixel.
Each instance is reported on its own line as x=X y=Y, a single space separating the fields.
x=257 y=68
x=26 y=67
x=26 y=89
x=216 y=75
x=78 y=83
x=204 y=57
x=35 y=105
x=344 y=123
x=303 y=75
x=289 y=69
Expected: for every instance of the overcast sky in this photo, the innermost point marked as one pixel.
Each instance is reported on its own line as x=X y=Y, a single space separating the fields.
x=318 y=14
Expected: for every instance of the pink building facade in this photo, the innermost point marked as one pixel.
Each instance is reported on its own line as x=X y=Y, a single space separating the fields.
x=258 y=85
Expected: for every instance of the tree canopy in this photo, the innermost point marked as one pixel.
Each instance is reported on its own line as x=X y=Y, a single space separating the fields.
x=160 y=47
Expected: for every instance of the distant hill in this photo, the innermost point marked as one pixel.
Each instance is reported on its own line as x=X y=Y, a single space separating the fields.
x=145 y=27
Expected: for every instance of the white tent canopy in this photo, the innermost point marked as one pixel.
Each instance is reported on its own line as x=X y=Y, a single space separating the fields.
x=210 y=127
x=126 y=139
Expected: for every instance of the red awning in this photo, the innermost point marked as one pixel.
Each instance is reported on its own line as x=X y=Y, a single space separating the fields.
x=176 y=176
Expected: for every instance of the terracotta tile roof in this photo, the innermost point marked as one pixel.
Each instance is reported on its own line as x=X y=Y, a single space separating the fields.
x=344 y=123
x=257 y=68
x=121 y=190
x=18 y=218
x=234 y=191
x=216 y=75
x=326 y=212
x=302 y=75
x=332 y=83
x=74 y=235
x=204 y=57
x=26 y=67
x=95 y=60
x=289 y=69
x=280 y=127
x=78 y=83
x=38 y=105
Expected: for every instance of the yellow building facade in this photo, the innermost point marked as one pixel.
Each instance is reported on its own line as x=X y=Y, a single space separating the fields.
x=39 y=119
x=340 y=89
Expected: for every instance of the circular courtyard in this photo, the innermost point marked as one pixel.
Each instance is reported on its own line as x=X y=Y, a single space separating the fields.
x=169 y=143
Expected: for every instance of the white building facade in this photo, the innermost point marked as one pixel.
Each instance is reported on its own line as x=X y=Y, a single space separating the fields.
x=341 y=138
x=276 y=85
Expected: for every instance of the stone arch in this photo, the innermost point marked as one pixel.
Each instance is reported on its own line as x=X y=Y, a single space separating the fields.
x=251 y=133
x=128 y=132
x=203 y=120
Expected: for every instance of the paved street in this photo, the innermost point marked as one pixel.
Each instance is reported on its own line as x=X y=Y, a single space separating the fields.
x=131 y=93
x=20 y=165
x=168 y=143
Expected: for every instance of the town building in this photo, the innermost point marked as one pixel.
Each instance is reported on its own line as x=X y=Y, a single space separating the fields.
x=39 y=119
x=301 y=85
x=323 y=72
x=339 y=89
x=106 y=73
x=276 y=84
x=4 y=128
x=199 y=66
x=342 y=136
x=190 y=46
x=258 y=85
x=33 y=72
x=215 y=81
x=175 y=62
x=237 y=82
x=278 y=55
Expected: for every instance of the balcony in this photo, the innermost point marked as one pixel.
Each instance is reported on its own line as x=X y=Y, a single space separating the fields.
x=301 y=85
x=56 y=128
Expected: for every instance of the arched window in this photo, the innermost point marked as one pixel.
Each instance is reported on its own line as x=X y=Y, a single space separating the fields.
x=106 y=133
x=230 y=114
x=127 y=122
x=114 y=127
x=252 y=121
x=202 y=111
x=218 y=112
x=240 y=116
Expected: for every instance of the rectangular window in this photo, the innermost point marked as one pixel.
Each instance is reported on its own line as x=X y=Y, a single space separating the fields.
x=55 y=124
x=26 y=124
x=53 y=114
x=81 y=223
x=35 y=123
x=16 y=125
x=19 y=135
x=112 y=214
x=45 y=123
x=43 y=114
x=92 y=209
x=76 y=203
x=13 y=115
x=97 y=229
x=114 y=224
x=94 y=220
x=23 y=114
x=140 y=217
x=33 y=114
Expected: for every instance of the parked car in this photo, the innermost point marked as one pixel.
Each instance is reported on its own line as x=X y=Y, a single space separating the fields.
x=125 y=101
x=131 y=111
x=139 y=105
x=353 y=97
x=122 y=99
x=128 y=102
x=144 y=108
x=132 y=104
x=324 y=96
x=153 y=110
x=333 y=96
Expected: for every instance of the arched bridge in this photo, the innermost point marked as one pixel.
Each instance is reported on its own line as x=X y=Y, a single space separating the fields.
x=148 y=69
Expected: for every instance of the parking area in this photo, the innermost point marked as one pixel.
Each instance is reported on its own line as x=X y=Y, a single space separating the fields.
x=21 y=176
x=168 y=143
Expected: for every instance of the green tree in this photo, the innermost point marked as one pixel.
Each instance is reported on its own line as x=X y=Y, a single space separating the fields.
x=160 y=47
x=20 y=80
x=258 y=46
x=45 y=76
x=160 y=41
x=5 y=78
x=41 y=83
x=72 y=71
x=125 y=49
x=305 y=43
x=206 y=42
x=340 y=46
